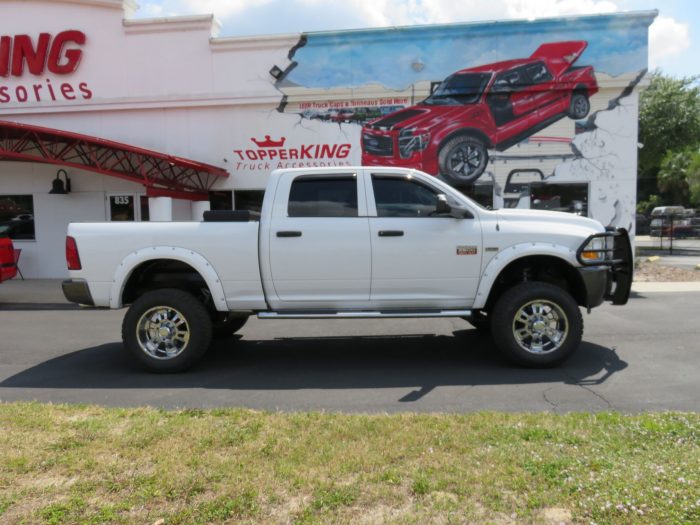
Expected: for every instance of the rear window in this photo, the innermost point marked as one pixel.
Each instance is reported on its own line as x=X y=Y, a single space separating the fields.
x=323 y=197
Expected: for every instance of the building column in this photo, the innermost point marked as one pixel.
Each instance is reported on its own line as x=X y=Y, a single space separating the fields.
x=160 y=208
x=198 y=209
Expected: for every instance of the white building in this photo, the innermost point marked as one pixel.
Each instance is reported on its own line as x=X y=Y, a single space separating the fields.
x=149 y=119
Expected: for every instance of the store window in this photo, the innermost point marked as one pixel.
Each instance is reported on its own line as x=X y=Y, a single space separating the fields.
x=17 y=216
x=145 y=210
x=250 y=200
x=128 y=207
x=516 y=193
x=572 y=198
x=220 y=200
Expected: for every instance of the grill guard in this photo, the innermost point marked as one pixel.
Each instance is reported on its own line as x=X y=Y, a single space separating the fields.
x=619 y=261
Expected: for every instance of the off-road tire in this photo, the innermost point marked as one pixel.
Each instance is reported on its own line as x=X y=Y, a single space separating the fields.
x=523 y=297
x=197 y=324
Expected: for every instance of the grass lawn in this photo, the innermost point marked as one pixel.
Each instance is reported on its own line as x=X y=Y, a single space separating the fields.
x=85 y=464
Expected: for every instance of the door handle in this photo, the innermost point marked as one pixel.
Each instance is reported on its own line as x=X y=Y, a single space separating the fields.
x=288 y=234
x=391 y=233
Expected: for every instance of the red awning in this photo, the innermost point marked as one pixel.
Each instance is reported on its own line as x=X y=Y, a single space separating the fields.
x=163 y=175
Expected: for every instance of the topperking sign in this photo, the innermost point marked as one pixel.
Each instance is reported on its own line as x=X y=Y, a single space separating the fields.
x=29 y=60
x=269 y=154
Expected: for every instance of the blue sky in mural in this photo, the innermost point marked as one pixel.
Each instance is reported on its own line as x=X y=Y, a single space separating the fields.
x=617 y=45
x=674 y=45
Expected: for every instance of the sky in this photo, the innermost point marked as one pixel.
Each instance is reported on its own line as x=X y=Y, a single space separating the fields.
x=674 y=46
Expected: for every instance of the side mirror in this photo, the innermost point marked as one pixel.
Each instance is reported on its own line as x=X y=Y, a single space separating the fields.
x=444 y=208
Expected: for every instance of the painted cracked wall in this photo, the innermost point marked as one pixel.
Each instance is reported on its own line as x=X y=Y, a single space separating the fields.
x=361 y=93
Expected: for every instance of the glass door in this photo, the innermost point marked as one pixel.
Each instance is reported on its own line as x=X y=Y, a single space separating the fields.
x=127 y=207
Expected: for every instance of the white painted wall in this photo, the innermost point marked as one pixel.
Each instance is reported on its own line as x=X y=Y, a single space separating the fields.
x=45 y=256
x=169 y=86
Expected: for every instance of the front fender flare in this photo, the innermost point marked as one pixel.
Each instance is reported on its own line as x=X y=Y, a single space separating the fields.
x=512 y=253
x=194 y=259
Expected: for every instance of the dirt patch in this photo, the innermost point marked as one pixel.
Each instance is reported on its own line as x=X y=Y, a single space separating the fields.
x=645 y=272
x=556 y=516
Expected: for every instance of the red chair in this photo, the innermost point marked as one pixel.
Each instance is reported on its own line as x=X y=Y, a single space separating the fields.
x=17 y=254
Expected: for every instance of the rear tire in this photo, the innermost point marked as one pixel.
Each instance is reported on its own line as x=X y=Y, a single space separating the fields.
x=167 y=330
x=579 y=106
x=536 y=324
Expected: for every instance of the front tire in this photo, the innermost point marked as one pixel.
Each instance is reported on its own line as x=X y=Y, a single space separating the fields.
x=167 y=330
x=537 y=324
x=462 y=160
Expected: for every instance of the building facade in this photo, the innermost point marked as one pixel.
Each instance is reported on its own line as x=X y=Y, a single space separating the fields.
x=161 y=119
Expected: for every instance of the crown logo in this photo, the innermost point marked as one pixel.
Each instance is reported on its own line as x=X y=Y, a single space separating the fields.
x=269 y=143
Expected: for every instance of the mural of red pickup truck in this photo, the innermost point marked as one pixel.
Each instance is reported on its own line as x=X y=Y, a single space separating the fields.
x=493 y=106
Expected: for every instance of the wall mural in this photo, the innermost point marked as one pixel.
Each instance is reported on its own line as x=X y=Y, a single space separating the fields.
x=535 y=114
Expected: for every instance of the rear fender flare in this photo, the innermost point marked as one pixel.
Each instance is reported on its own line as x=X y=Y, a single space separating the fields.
x=194 y=259
x=512 y=253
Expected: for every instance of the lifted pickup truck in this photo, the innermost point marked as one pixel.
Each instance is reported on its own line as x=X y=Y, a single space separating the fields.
x=351 y=242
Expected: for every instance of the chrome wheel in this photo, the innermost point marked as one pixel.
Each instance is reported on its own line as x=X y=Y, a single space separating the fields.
x=162 y=332
x=540 y=327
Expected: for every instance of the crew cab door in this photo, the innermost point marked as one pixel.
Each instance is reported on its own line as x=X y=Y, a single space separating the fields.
x=319 y=248
x=419 y=259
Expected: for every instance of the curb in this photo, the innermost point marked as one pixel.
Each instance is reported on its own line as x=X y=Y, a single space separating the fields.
x=652 y=287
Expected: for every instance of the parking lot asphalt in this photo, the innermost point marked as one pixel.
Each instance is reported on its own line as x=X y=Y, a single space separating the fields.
x=643 y=356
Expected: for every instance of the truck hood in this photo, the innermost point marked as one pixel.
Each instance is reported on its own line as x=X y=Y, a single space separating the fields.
x=566 y=223
x=425 y=117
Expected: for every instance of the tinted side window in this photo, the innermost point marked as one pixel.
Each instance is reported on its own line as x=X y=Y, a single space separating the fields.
x=323 y=197
x=399 y=197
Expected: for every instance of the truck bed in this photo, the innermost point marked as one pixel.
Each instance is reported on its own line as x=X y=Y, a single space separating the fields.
x=230 y=249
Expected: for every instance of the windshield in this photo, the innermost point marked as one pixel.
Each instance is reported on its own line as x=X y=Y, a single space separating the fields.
x=459 y=89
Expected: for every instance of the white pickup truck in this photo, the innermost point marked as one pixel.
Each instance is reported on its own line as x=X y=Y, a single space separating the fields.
x=351 y=242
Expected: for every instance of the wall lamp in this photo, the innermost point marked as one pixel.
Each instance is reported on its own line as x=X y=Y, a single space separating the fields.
x=57 y=185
